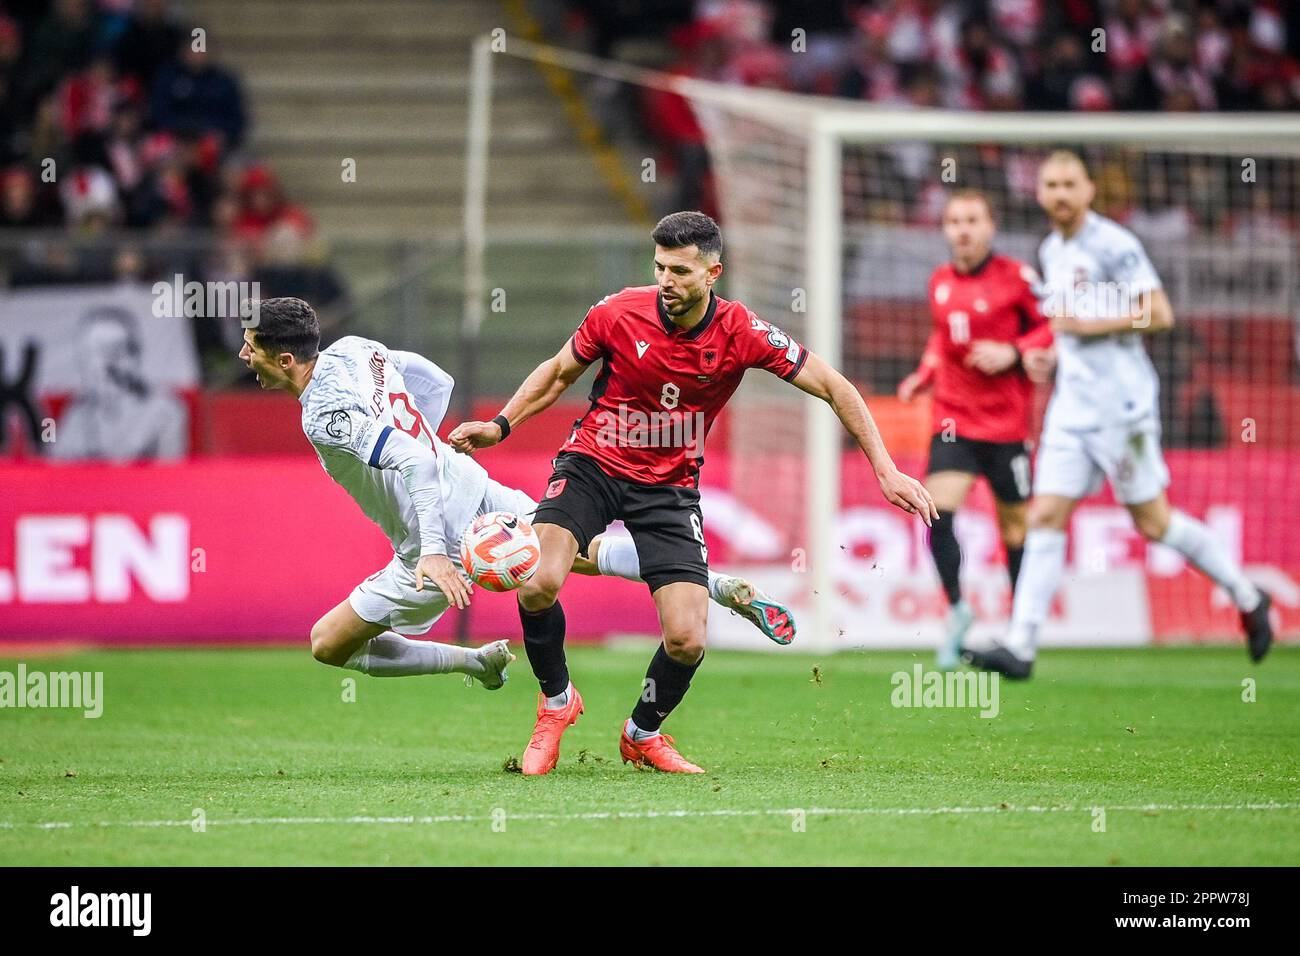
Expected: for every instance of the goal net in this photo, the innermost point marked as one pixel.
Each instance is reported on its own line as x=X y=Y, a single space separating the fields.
x=830 y=214
x=857 y=194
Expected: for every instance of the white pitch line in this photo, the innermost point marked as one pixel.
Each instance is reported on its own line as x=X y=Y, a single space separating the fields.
x=655 y=815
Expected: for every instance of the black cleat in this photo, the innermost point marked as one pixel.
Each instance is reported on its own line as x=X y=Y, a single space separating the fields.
x=998 y=658
x=1258 y=628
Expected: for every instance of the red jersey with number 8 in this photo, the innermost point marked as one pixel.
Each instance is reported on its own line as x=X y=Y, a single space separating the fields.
x=659 y=388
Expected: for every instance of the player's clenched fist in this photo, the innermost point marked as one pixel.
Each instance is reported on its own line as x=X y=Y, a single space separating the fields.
x=904 y=491
x=467 y=436
x=443 y=575
x=990 y=357
x=1039 y=364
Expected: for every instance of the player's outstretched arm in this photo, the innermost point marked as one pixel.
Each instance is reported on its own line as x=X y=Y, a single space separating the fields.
x=538 y=393
x=821 y=381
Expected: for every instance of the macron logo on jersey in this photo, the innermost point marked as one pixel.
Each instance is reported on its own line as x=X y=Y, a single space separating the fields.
x=641 y=348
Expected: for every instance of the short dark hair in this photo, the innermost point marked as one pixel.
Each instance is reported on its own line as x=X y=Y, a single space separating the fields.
x=287 y=325
x=681 y=229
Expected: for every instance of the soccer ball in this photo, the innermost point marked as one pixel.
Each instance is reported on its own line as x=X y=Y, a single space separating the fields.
x=500 y=551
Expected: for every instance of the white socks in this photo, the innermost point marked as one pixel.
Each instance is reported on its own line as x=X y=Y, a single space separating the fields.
x=636 y=733
x=559 y=700
x=617 y=558
x=391 y=655
x=1197 y=544
x=1044 y=565
x=1040 y=577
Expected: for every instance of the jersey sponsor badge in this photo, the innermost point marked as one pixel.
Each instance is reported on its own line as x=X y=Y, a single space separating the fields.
x=641 y=348
x=941 y=293
x=778 y=339
x=555 y=488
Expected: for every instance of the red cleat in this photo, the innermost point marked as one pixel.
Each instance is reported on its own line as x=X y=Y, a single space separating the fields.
x=657 y=752
x=543 y=751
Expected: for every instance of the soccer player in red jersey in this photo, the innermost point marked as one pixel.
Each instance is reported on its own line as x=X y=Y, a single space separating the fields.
x=672 y=354
x=987 y=328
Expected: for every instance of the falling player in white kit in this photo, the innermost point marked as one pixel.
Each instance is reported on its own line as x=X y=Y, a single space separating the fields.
x=1103 y=420
x=372 y=414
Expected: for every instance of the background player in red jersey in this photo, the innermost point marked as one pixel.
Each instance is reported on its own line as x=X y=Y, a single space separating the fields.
x=672 y=355
x=986 y=320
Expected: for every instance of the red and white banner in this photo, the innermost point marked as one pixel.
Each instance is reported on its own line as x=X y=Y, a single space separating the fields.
x=91 y=372
x=1118 y=590
x=238 y=550
x=256 y=549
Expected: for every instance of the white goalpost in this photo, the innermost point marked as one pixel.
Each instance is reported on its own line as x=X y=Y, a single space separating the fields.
x=829 y=216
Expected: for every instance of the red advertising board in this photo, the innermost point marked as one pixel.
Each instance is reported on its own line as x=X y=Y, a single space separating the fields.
x=256 y=549
x=238 y=550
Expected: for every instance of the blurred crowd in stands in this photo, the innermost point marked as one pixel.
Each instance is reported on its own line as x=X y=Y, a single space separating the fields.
x=1078 y=55
x=980 y=54
x=123 y=157
x=118 y=115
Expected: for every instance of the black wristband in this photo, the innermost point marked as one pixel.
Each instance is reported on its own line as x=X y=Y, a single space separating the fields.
x=504 y=424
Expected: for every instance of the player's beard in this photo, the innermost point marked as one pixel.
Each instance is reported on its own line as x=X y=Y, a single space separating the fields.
x=679 y=306
x=1065 y=214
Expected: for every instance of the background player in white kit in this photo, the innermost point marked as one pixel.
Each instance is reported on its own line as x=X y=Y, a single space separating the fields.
x=1102 y=421
x=372 y=414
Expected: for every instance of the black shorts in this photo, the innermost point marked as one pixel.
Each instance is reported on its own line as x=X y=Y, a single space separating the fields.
x=665 y=520
x=1004 y=463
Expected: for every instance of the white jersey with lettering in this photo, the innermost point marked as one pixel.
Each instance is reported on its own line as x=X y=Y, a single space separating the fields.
x=372 y=414
x=1098 y=273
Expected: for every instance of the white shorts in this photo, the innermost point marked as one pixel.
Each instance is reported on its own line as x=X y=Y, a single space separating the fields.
x=1072 y=464
x=389 y=596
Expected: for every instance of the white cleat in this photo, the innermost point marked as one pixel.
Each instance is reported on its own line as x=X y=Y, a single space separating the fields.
x=494 y=657
x=768 y=615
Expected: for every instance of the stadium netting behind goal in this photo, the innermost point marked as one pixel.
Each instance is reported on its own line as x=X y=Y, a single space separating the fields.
x=830 y=214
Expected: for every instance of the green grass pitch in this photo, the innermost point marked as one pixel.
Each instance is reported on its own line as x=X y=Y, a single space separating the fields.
x=285 y=771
